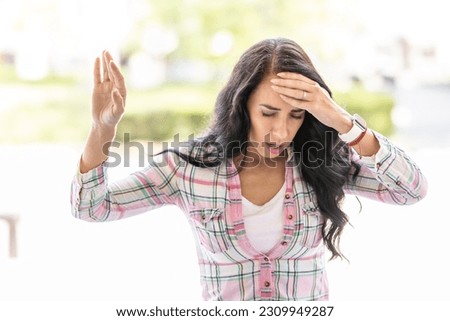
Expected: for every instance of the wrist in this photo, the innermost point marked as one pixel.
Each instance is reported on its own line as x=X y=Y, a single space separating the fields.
x=344 y=124
x=357 y=131
x=102 y=130
x=97 y=146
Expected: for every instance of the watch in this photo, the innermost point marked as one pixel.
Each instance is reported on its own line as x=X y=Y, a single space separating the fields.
x=359 y=128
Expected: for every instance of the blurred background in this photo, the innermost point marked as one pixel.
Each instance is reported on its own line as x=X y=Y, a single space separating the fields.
x=387 y=60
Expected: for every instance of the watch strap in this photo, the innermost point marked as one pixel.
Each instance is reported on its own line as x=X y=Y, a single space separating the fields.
x=358 y=128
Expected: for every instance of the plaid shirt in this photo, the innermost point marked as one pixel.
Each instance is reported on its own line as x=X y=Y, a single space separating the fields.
x=230 y=268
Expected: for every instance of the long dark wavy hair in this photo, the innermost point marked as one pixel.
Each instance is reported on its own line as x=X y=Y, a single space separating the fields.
x=325 y=165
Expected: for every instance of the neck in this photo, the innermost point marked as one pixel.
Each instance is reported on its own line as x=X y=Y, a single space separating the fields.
x=253 y=160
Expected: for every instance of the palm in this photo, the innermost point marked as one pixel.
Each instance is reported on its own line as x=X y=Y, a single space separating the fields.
x=109 y=93
x=103 y=105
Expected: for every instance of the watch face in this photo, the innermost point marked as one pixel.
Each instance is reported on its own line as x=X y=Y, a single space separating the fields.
x=360 y=122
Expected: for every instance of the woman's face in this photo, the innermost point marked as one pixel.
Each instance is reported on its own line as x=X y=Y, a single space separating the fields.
x=273 y=122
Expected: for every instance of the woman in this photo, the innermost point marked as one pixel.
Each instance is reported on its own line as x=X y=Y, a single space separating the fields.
x=262 y=189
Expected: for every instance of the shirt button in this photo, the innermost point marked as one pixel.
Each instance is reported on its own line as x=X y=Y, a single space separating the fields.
x=378 y=165
x=290 y=216
x=287 y=196
x=398 y=183
x=266 y=259
x=267 y=284
x=284 y=243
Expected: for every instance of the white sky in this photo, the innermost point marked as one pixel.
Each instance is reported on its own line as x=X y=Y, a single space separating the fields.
x=423 y=21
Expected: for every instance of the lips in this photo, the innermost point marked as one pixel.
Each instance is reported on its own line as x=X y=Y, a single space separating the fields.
x=275 y=149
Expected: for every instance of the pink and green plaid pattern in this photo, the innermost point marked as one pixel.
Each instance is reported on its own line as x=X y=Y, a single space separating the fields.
x=230 y=268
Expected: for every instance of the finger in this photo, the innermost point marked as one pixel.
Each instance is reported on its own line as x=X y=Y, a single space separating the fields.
x=296 y=76
x=119 y=105
x=293 y=93
x=119 y=80
x=292 y=83
x=295 y=102
x=97 y=74
x=109 y=58
x=105 y=66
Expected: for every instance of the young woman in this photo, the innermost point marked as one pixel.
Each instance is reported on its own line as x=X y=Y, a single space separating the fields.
x=262 y=189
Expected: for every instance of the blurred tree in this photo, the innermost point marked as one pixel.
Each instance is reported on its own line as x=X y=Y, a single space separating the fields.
x=197 y=23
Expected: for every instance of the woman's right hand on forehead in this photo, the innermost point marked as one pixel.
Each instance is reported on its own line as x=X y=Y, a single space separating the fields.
x=109 y=94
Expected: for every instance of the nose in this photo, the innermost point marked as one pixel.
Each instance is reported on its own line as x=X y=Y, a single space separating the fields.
x=280 y=131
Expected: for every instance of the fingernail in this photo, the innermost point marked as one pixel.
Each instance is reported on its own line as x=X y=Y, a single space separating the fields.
x=281 y=74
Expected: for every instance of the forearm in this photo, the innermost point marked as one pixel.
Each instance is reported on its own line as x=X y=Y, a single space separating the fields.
x=368 y=146
x=390 y=176
x=96 y=148
x=95 y=199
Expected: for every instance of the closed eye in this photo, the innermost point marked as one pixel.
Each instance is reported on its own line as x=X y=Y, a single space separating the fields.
x=296 y=116
x=300 y=116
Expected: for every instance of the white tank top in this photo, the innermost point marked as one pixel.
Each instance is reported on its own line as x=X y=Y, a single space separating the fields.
x=264 y=223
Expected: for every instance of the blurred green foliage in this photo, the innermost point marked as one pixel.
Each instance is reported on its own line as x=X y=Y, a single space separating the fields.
x=374 y=107
x=163 y=123
x=9 y=76
x=62 y=114
x=47 y=113
x=196 y=22
x=57 y=109
x=161 y=113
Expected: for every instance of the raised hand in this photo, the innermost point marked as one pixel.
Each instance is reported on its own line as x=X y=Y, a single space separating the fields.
x=109 y=94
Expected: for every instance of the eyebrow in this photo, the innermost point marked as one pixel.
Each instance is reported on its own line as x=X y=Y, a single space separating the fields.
x=295 y=110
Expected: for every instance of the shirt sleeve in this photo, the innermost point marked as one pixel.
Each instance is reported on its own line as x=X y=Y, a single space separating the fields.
x=94 y=199
x=389 y=176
